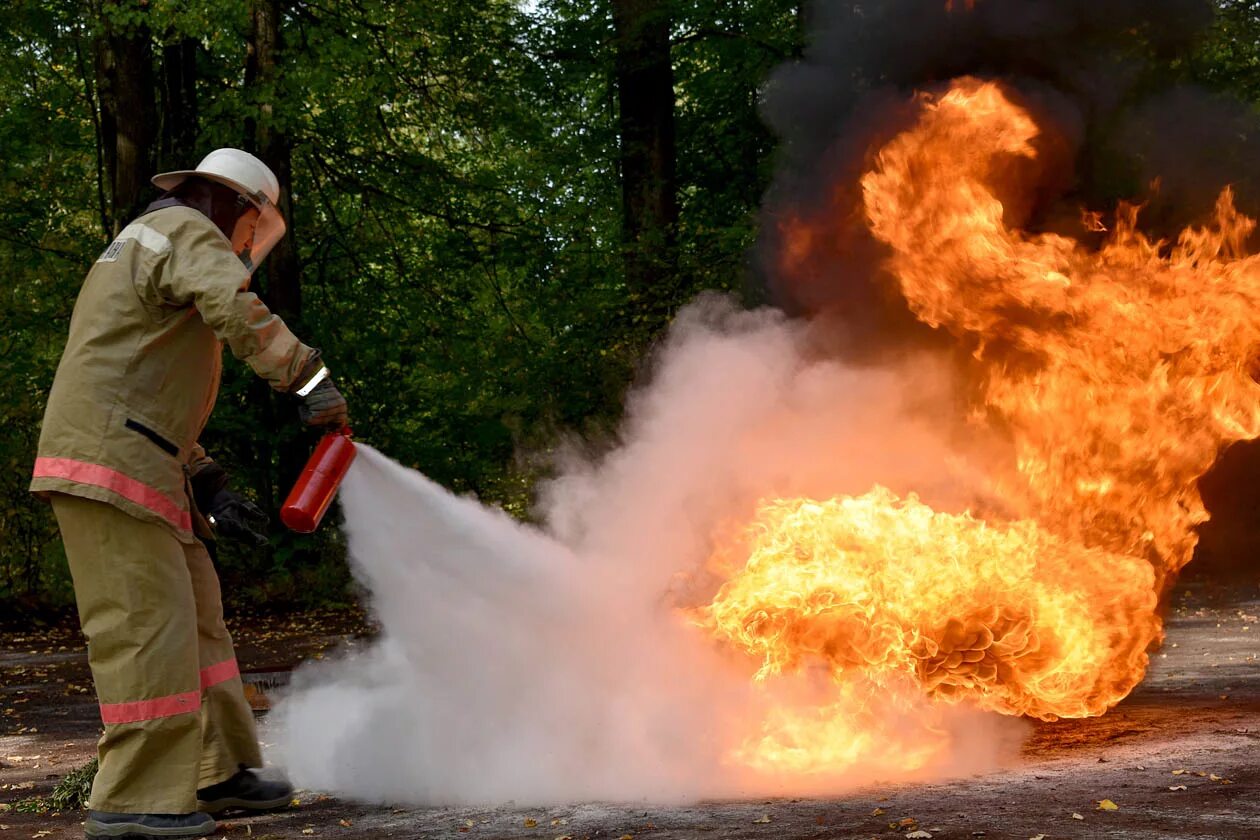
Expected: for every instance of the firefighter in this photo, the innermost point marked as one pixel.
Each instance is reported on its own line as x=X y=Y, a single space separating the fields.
x=138 y=501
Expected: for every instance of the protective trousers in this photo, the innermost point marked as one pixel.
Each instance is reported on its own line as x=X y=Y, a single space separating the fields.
x=172 y=704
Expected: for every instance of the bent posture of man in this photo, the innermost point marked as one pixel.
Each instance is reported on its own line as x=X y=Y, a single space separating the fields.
x=135 y=495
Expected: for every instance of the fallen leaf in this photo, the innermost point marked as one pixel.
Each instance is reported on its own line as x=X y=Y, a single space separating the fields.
x=41 y=834
x=308 y=831
x=560 y=821
x=1176 y=787
x=1076 y=816
x=344 y=823
x=530 y=822
x=1214 y=777
x=762 y=820
x=565 y=837
x=1037 y=837
x=1179 y=772
x=626 y=837
x=1108 y=805
x=878 y=812
x=471 y=823
x=908 y=822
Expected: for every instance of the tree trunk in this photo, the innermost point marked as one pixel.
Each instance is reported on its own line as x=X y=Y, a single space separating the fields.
x=649 y=186
x=802 y=29
x=124 y=80
x=271 y=142
x=179 y=101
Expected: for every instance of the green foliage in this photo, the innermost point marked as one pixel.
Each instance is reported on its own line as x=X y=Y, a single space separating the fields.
x=1230 y=58
x=32 y=805
x=48 y=230
x=72 y=792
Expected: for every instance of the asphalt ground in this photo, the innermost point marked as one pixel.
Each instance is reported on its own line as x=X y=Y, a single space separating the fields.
x=1176 y=759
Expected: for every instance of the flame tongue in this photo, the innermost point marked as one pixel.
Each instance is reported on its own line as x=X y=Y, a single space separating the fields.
x=1116 y=373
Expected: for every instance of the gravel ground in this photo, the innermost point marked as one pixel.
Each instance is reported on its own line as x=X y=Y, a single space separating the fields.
x=1178 y=758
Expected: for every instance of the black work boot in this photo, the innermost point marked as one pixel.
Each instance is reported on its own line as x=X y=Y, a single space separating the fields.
x=244 y=790
x=109 y=824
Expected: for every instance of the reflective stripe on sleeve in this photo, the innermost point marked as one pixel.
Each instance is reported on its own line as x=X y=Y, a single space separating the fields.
x=222 y=672
x=146 y=237
x=114 y=481
x=312 y=382
x=159 y=707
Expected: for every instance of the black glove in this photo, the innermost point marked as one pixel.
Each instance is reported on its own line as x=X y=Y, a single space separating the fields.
x=237 y=518
x=322 y=404
x=232 y=515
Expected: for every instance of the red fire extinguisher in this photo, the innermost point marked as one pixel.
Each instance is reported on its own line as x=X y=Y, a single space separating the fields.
x=317 y=485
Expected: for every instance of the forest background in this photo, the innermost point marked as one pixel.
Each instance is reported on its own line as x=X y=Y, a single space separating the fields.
x=494 y=210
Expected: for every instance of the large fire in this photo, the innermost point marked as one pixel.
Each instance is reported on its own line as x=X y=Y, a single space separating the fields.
x=1117 y=374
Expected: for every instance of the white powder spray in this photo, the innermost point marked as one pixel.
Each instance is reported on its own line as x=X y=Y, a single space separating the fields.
x=553 y=664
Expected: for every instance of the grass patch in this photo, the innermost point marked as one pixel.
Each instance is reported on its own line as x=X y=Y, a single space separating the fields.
x=72 y=792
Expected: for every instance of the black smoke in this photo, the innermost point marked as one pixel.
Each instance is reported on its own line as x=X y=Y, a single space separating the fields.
x=1117 y=77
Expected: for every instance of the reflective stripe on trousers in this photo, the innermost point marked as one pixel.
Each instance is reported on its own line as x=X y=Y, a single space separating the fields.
x=173 y=704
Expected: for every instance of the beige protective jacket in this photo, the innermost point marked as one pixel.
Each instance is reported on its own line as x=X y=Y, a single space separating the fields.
x=140 y=372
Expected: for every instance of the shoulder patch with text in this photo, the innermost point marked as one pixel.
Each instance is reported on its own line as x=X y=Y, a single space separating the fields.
x=111 y=253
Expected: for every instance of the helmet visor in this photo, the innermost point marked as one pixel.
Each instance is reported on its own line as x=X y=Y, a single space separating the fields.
x=257 y=231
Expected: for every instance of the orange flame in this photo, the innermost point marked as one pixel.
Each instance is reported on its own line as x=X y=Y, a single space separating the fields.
x=1117 y=374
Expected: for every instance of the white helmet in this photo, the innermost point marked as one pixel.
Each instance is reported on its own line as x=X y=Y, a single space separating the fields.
x=255 y=235
x=234 y=168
